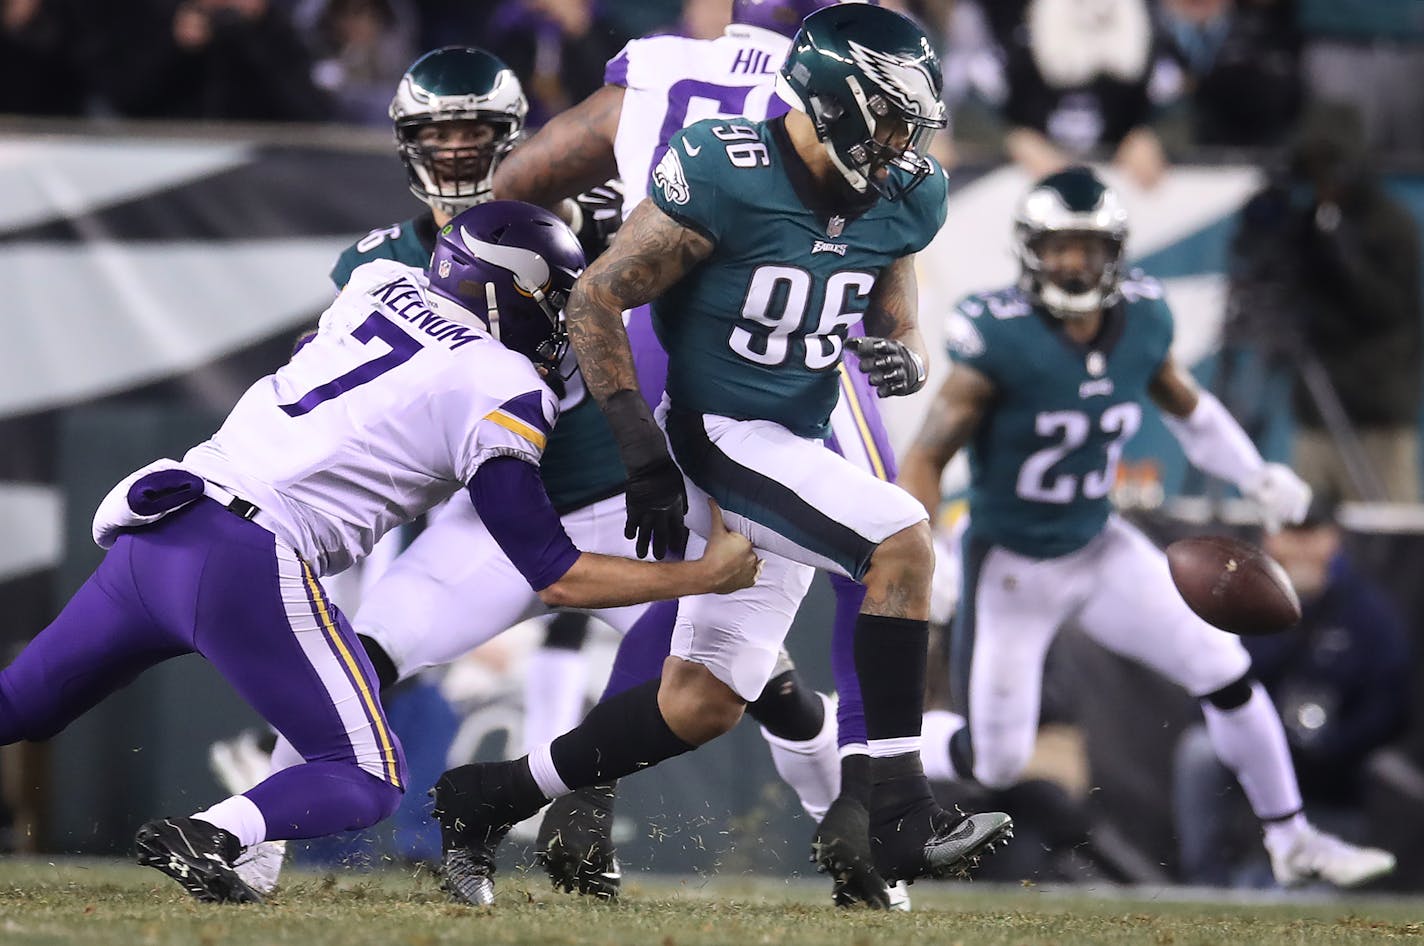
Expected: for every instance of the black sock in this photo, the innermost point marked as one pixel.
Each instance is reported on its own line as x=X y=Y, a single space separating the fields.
x=855 y=778
x=619 y=736
x=789 y=709
x=899 y=786
x=890 y=658
x=567 y=631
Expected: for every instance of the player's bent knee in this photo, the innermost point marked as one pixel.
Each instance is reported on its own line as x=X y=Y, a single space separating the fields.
x=909 y=551
x=697 y=706
x=370 y=800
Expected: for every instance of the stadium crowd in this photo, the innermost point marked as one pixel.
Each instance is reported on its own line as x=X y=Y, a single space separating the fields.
x=1060 y=78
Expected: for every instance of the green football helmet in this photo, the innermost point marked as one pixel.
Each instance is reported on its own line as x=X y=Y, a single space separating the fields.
x=1074 y=200
x=456 y=83
x=870 y=81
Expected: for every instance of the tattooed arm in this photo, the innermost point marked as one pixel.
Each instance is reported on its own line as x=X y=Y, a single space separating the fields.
x=892 y=352
x=650 y=253
x=570 y=154
x=895 y=306
x=958 y=409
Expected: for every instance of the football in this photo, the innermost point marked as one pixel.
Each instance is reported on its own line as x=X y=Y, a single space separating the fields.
x=1233 y=585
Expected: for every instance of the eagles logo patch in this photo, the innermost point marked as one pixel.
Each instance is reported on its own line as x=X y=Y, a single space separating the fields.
x=669 y=176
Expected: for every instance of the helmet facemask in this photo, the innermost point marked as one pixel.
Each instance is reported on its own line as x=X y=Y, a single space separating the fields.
x=457 y=112
x=887 y=137
x=1077 y=291
x=453 y=179
x=1052 y=220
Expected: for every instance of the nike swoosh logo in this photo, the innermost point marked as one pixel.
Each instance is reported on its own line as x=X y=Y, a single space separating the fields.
x=691 y=151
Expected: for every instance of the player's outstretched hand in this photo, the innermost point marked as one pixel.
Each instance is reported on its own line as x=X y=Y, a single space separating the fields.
x=1284 y=498
x=729 y=556
x=656 y=502
x=599 y=217
x=893 y=369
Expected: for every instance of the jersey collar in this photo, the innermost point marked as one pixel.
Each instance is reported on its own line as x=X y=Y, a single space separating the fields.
x=1109 y=333
x=812 y=195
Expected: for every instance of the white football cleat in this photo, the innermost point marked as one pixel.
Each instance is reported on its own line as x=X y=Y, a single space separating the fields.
x=900 y=896
x=260 y=866
x=1310 y=854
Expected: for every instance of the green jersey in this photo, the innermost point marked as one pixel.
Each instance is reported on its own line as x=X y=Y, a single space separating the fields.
x=1045 y=455
x=580 y=464
x=756 y=330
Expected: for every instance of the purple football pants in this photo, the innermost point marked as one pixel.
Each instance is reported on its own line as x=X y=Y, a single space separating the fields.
x=645 y=646
x=202 y=580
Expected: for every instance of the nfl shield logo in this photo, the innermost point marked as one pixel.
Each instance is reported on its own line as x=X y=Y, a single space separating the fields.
x=444 y=268
x=835 y=225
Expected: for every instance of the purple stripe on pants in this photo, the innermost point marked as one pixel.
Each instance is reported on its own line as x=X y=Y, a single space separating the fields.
x=200 y=580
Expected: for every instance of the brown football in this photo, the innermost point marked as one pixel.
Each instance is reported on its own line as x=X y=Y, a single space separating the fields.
x=1233 y=585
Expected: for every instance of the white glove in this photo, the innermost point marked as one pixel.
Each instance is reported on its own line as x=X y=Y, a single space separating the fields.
x=1284 y=498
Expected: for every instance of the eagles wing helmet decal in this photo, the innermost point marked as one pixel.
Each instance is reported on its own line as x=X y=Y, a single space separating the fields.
x=906 y=82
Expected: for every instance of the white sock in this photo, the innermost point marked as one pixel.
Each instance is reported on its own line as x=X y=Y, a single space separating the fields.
x=1249 y=741
x=1278 y=833
x=938 y=727
x=555 y=693
x=240 y=816
x=541 y=766
x=885 y=748
x=812 y=768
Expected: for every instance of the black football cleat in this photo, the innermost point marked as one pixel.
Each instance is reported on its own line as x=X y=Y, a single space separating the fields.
x=928 y=841
x=841 y=848
x=196 y=854
x=575 y=843
x=474 y=805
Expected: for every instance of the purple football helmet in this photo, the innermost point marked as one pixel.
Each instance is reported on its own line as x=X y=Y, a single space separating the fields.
x=781 y=16
x=511 y=265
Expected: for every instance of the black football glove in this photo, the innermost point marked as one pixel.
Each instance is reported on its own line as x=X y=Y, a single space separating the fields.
x=600 y=216
x=893 y=369
x=655 y=495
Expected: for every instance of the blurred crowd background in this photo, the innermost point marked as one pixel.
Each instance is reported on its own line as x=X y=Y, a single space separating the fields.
x=1276 y=145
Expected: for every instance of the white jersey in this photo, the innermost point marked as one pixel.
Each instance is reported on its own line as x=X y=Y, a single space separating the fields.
x=673 y=81
x=388 y=410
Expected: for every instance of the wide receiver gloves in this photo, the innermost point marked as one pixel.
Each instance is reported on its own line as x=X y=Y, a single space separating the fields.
x=893 y=369
x=655 y=495
x=1215 y=443
x=1284 y=498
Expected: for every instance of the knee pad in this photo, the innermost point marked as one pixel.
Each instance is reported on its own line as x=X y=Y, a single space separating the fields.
x=789 y=709
x=1232 y=696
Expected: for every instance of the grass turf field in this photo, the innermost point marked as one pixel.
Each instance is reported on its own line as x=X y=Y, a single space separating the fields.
x=106 y=902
